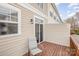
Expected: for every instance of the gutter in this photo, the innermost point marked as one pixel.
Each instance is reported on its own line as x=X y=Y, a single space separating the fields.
x=54 y=6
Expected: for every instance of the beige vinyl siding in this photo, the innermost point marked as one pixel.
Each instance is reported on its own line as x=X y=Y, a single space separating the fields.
x=17 y=45
x=54 y=14
x=44 y=10
x=57 y=33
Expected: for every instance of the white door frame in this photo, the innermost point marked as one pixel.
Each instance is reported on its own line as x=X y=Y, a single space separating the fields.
x=37 y=23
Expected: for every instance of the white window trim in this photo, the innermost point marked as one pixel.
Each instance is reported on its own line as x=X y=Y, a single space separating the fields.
x=19 y=20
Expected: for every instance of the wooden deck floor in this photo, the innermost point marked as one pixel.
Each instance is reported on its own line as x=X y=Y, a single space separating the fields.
x=51 y=49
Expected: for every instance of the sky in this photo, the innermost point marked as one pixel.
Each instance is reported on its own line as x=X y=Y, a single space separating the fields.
x=67 y=10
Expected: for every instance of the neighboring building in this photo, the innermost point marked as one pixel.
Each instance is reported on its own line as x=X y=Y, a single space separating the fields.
x=50 y=11
x=18 y=21
x=53 y=14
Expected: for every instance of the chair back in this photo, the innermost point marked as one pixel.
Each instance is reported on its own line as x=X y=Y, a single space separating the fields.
x=32 y=43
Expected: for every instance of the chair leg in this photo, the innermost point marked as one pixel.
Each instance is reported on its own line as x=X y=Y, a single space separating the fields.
x=28 y=52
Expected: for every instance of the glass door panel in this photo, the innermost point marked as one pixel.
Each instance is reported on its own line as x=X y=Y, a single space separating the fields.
x=41 y=32
x=37 y=32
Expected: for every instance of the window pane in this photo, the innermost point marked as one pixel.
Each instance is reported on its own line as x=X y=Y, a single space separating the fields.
x=51 y=14
x=14 y=15
x=3 y=29
x=12 y=28
x=8 y=28
x=4 y=13
x=40 y=5
x=54 y=17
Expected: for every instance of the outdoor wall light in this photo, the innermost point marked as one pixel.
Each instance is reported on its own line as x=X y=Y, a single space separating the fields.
x=31 y=20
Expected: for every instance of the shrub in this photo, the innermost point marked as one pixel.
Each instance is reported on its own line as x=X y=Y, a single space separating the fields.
x=75 y=31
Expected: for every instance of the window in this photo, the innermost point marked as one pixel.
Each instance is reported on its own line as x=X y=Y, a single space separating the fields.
x=51 y=14
x=40 y=5
x=54 y=17
x=57 y=19
x=9 y=20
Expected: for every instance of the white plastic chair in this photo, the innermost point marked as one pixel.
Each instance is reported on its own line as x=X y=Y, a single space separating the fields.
x=33 y=46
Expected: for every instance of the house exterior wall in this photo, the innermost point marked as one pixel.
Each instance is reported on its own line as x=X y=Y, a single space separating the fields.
x=47 y=7
x=18 y=45
x=44 y=10
x=57 y=33
x=51 y=19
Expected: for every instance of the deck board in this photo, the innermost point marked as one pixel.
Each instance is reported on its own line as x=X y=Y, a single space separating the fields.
x=51 y=49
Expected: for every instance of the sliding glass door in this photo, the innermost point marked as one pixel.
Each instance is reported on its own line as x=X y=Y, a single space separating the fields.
x=39 y=30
